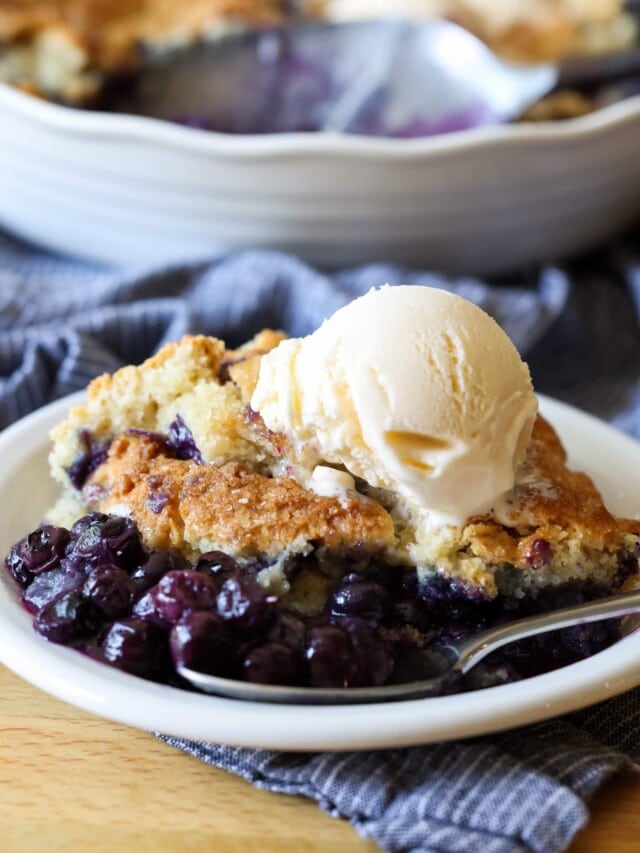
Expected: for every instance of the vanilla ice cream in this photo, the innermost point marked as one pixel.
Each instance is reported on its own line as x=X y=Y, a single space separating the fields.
x=412 y=389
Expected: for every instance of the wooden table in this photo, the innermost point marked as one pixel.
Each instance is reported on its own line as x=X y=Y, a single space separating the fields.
x=70 y=781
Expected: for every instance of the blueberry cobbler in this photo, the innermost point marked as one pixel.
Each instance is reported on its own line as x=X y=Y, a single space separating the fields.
x=73 y=51
x=321 y=511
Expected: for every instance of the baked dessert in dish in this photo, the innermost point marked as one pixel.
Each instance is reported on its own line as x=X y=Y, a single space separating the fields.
x=320 y=511
x=68 y=50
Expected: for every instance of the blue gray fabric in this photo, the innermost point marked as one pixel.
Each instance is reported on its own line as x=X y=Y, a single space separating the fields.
x=61 y=323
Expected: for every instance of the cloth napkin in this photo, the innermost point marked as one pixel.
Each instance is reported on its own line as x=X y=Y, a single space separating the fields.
x=62 y=322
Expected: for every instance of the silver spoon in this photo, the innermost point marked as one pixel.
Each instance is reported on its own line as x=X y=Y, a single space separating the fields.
x=431 y=77
x=448 y=661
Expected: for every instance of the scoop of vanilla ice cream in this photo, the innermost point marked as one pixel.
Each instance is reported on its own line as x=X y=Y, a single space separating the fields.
x=412 y=389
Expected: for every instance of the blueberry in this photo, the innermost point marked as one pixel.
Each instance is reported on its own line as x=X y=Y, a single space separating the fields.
x=217 y=564
x=176 y=594
x=156 y=566
x=67 y=618
x=180 y=440
x=288 y=630
x=98 y=538
x=539 y=554
x=86 y=522
x=246 y=607
x=372 y=664
x=200 y=641
x=135 y=646
x=38 y=552
x=407 y=610
x=583 y=641
x=91 y=456
x=357 y=596
x=328 y=655
x=111 y=590
x=50 y=585
x=272 y=663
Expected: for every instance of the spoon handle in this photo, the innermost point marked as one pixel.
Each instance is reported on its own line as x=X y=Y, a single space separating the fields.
x=475 y=648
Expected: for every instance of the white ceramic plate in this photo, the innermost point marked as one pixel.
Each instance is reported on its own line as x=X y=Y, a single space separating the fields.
x=124 y=189
x=25 y=492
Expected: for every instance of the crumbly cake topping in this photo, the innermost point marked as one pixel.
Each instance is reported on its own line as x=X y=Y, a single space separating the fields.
x=553 y=526
x=197 y=508
x=240 y=493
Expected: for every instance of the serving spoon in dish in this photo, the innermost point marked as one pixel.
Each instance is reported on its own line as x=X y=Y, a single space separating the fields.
x=425 y=79
x=445 y=663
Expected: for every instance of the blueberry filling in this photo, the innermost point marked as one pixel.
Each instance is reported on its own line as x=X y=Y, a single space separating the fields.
x=96 y=589
x=91 y=456
x=178 y=442
x=38 y=552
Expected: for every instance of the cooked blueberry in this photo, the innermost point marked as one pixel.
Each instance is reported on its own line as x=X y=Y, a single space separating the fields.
x=135 y=646
x=86 y=522
x=539 y=554
x=180 y=440
x=245 y=606
x=357 y=596
x=97 y=538
x=156 y=566
x=92 y=455
x=372 y=664
x=38 y=552
x=272 y=663
x=51 y=584
x=217 y=564
x=176 y=594
x=288 y=630
x=328 y=655
x=405 y=610
x=68 y=617
x=200 y=641
x=110 y=589
x=583 y=641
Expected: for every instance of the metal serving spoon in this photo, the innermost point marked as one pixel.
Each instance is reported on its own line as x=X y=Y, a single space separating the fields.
x=425 y=78
x=445 y=662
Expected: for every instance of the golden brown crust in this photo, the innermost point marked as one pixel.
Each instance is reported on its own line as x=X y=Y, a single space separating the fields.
x=203 y=354
x=553 y=528
x=180 y=504
x=554 y=504
x=243 y=364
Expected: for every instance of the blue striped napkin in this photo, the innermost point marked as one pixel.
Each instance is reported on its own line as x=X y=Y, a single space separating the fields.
x=61 y=323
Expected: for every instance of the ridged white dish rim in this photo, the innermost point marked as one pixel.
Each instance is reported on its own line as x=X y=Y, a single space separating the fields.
x=156 y=131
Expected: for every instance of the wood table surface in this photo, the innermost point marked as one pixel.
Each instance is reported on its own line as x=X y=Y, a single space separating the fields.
x=70 y=781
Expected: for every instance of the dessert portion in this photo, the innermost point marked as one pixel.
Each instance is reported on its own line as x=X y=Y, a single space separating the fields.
x=321 y=511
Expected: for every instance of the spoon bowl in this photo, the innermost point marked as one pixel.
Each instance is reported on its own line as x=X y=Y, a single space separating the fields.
x=444 y=666
x=426 y=79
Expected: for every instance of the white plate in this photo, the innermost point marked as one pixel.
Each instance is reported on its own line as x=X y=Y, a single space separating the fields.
x=124 y=189
x=25 y=492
